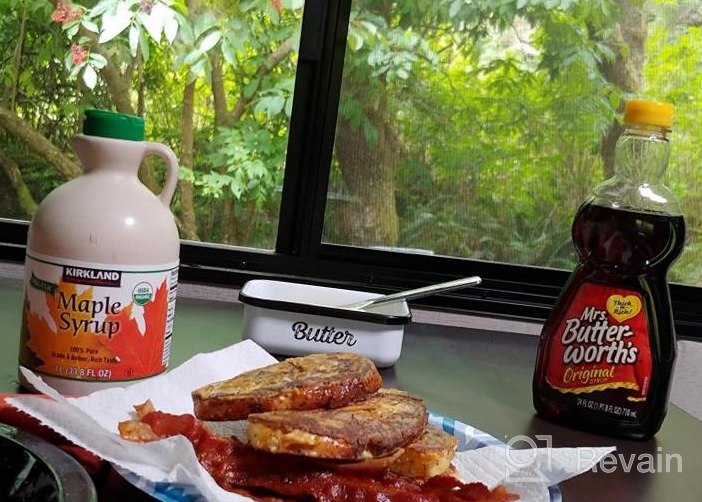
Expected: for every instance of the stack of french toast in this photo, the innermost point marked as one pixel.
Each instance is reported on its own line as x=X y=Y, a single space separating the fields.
x=331 y=408
x=319 y=428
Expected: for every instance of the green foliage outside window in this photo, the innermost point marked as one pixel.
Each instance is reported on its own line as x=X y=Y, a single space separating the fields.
x=491 y=121
x=214 y=80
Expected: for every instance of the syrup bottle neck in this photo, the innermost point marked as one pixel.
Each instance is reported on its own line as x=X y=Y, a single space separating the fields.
x=642 y=153
x=108 y=155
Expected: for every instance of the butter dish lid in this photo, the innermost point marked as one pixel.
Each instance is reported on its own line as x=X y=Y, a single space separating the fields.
x=321 y=300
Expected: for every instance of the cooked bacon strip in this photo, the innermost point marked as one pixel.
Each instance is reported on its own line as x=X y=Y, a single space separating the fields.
x=144 y=408
x=133 y=430
x=239 y=468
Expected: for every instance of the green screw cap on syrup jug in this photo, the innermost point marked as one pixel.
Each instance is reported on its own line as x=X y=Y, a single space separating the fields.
x=113 y=125
x=101 y=268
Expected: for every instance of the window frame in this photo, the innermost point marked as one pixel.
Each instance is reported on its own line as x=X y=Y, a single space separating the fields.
x=508 y=291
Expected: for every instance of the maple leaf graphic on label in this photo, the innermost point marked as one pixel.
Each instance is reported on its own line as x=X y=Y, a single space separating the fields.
x=139 y=354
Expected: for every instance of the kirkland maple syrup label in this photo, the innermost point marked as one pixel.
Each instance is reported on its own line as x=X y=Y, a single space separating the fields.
x=602 y=343
x=93 y=322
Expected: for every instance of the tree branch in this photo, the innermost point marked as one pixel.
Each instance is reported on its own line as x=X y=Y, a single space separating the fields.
x=14 y=173
x=274 y=59
x=117 y=85
x=188 y=221
x=626 y=69
x=38 y=143
x=19 y=49
x=222 y=115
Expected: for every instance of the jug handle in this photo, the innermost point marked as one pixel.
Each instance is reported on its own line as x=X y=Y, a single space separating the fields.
x=171 y=169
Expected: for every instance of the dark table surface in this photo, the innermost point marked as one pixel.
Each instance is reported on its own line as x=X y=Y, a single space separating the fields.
x=479 y=377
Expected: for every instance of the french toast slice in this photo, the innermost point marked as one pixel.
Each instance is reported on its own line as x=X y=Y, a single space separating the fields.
x=430 y=455
x=300 y=383
x=375 y=427
x=371 y=466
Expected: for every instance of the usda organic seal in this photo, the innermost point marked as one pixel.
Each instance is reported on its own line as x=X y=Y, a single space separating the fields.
x=143 y=293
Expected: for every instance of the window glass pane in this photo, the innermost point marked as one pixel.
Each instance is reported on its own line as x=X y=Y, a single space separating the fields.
x=212 y=78
x=475 y=129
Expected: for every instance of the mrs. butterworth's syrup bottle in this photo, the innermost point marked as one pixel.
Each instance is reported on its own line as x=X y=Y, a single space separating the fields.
x=607 y=350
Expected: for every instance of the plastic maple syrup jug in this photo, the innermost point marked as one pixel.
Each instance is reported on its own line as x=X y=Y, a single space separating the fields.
x=607 y=350
x=101 y=269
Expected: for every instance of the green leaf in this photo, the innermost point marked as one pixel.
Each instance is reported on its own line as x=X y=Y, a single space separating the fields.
x=89 y=77
x=186 y=34
x=229 y=53
x=115 y=22
x=101 y=7
x=237 y=39
x=273 y=14
x=250 y=88
x=271 y=105
x=73 y=31
x=276 y=106
x=72 y=28
x=185 y=173
x=98 y=61
x=193 y=57
x=204 y=23
x=455 y=7
x=153 y=24
x=210 y=41
x=90 y=26
x=68 y=61
x=170 y=29
x=179 y=60
x=196 y=70
x=293 y=4
x=133 y=40
x=250 y=4
x=44 y=54
x=370 y=27
x=355 y=40
x=144 y=44
x=75 y=71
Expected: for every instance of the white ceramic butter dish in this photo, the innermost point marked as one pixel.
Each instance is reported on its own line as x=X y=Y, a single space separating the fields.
x=295 y=319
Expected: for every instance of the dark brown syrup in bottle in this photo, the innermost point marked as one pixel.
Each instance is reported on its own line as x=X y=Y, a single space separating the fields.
x=628 y=250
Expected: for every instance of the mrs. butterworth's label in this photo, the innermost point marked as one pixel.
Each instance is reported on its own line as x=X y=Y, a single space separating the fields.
x=88 y=321
x=602 y=343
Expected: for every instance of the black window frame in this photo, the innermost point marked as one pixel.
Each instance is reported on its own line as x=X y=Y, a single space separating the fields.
x=508 y=291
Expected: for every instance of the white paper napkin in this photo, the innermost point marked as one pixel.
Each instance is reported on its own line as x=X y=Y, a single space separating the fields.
x=91 y=422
